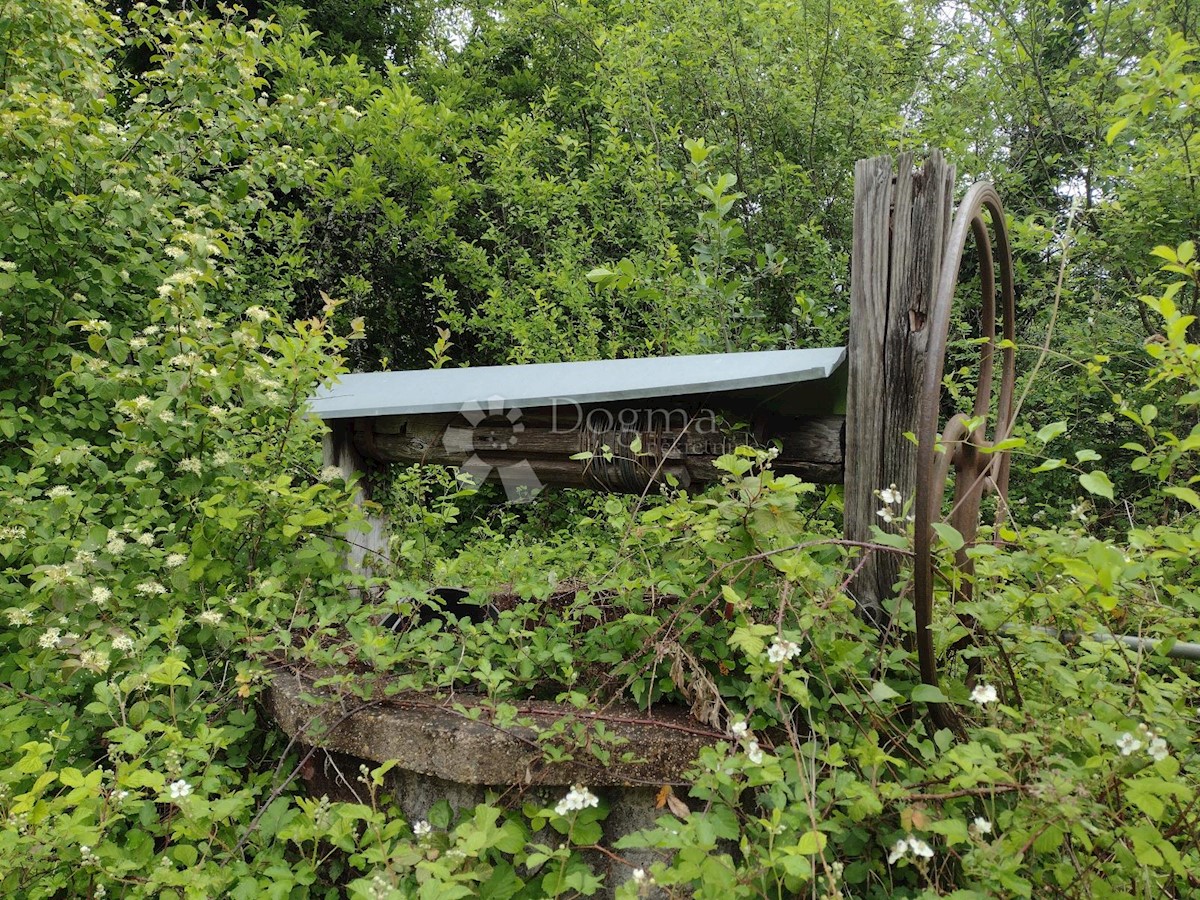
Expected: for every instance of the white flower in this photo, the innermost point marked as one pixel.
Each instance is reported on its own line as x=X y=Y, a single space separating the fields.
x=739 y=729
x=59 y=491
x=257 y=314
x=166 y=416
x=887 y=515
x=101 y=595
x=982 y=825
x=180 y=789
x=1158 y=749
x=330 y=473
x=175 y=560
x=88 y=856
x=151 y=588
x=217 y=412
x=116 y=546
x=18 y=615
x=94 y=659
x=1079 y=511
x=754 y=753
x=123 y=643
x=1128 y=744
x=984 y=694
x=890 y=495
x=422 y=828
x=50 y=639
x=137 y=343
x=640 y=877
x=144 y=465
x=781 y=651
x=146 y=539
x=84 y=557
x=209 y=617
x=190 y=464
x=579 y=797
x=909 y=846
x=221 y=458
x=919 y=848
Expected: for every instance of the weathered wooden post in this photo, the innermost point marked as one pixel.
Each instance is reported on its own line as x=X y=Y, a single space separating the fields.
x=901 y=222
x=367 y=549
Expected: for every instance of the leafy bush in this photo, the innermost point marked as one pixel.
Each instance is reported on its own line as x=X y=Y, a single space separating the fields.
x=170 y=536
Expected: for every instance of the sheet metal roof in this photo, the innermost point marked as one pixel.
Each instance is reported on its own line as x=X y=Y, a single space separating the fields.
x=542 y=384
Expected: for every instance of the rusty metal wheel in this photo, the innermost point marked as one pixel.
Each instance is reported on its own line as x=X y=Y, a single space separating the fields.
x=963 y=443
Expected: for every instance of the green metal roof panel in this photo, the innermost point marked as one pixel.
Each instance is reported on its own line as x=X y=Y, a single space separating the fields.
x=543 y=384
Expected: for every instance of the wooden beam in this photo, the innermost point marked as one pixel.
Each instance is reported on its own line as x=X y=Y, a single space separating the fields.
x=901 y=218
x=367 y=550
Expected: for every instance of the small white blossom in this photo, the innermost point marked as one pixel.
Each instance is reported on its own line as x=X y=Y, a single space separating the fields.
x=909 y=846
x=50 y=639
x=151 y=588
x=890 y=495
x=88 y=856
x=1128 y=744
x=781 y=651
x=146 y=539
x=175 y=560
x=887 y=515
x=59 y=491
x=190 y=464
x=221 y=458
x=18 y=615
x=123 y=643
x=579 y=797
x=257 y=314
x=754 y=753
x=94 y=659
x=982 y=825
x=984 y=694
x=739 y=729
x=330 y=473
x=422 y=828
x=1079 y=511
x=144 y=465
x=101 y=595
x=137 y=343
x=209 y=617
x=115 y=546
x=166 y=416
x=1158 y=749
x=180 y=789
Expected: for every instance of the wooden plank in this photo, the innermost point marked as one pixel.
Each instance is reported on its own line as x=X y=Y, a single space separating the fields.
x=367 y=550
x=869 y=261
x=878 y=452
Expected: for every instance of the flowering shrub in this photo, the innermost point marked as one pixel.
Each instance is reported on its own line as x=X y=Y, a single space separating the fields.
x=169 y=533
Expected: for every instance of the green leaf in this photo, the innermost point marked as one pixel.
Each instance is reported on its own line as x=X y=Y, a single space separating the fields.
x=812 y=842
x=927 y=693
x=1187 y=495
x=881 y=692
x=949 y=536
x=1096 y=482
x=1049 y=432
x=1049 y=465
x=1115 y=129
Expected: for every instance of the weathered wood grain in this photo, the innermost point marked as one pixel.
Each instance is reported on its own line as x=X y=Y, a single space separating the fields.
x=898 y=249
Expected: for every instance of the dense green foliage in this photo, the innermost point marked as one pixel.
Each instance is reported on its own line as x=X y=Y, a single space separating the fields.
x=204 y=215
